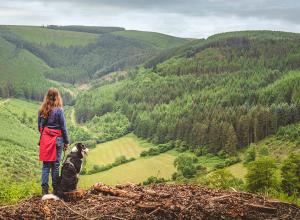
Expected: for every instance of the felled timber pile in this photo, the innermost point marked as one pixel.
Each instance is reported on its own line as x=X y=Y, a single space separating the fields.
x=160 y=201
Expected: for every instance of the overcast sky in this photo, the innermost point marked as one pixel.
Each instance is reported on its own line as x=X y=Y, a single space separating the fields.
x=184 y=18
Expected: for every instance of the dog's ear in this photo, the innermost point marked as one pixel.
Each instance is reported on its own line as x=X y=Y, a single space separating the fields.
x=79 y=146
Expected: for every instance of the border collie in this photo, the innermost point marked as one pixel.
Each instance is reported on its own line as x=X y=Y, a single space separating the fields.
x=69 y=172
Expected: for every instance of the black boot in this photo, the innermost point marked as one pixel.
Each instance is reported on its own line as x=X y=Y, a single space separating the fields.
x=44 y=190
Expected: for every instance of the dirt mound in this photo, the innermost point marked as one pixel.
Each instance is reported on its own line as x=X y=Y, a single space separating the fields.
x=153 y=202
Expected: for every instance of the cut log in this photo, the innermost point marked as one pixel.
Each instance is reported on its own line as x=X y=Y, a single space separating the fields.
x=106 y=190
x=75 y=195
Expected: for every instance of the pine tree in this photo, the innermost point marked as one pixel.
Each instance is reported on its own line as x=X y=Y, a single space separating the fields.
x=231 y=142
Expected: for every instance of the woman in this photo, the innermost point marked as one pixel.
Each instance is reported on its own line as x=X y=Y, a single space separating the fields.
x=54 y=137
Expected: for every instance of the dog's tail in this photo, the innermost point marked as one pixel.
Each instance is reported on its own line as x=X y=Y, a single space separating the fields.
x=50 y=196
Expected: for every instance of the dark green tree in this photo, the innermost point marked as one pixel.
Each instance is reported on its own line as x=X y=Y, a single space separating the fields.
x=186 y=165
x=261 y=175
x=250 y=154
x=290 y=174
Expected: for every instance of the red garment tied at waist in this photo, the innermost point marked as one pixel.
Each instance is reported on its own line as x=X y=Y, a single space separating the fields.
x=48 y=144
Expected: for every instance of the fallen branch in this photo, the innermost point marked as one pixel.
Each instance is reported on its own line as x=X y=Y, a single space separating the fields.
x=74 y=210
x=262 y=208
x=154 y=211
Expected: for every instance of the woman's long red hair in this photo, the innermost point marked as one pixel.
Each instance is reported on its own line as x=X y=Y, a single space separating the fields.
x=52 y=100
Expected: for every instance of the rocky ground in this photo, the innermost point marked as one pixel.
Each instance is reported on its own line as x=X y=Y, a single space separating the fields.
x=160 y=201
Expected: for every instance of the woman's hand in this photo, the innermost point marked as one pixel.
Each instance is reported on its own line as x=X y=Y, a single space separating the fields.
x=66 y=146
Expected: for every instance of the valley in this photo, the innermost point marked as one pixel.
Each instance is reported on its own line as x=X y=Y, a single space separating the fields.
x=152 y=107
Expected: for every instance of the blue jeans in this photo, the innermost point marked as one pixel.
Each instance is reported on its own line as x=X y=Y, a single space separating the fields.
x=53 y=166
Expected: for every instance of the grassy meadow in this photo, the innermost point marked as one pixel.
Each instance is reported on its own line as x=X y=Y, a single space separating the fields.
x=128 y=146
x=238 y=170
x=135 y=172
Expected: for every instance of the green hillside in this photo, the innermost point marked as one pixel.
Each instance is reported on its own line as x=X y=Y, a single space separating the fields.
x=19 y=138
x=19 y=165
x=252 y=44
x=214 y=98
x=156 y=39
x=20 y=71
x=214 y=94
x=45 y=36
x=70 y=54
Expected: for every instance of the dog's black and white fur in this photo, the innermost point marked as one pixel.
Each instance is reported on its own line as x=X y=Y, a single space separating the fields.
x=70 y=171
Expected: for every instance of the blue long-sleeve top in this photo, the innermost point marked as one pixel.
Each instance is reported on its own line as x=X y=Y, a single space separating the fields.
x=56 y=120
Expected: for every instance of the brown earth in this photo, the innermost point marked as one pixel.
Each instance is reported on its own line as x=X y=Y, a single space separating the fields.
x=159 y=201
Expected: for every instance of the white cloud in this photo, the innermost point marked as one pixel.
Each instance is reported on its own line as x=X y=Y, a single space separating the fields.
x=184 y=18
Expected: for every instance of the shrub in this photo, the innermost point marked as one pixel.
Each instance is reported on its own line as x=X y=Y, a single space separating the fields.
x=119 y=160
x=223 y=179
x=263 y=151
x=153 y=179
x=180 y=146
x=13 y=192
x=161 y=148
x=219 y=165
x=261 y=175
x=78 y=134
x=174 y=176
x=232 y=160
x=201 y=151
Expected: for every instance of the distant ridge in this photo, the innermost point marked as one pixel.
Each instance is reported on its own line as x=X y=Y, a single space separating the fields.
x=88 y=29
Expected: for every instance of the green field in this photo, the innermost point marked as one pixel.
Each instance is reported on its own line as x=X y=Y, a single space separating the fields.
x=128 y=146
x=135 y=172
x=238 y=170
x=209 y=161
x=46 y=36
